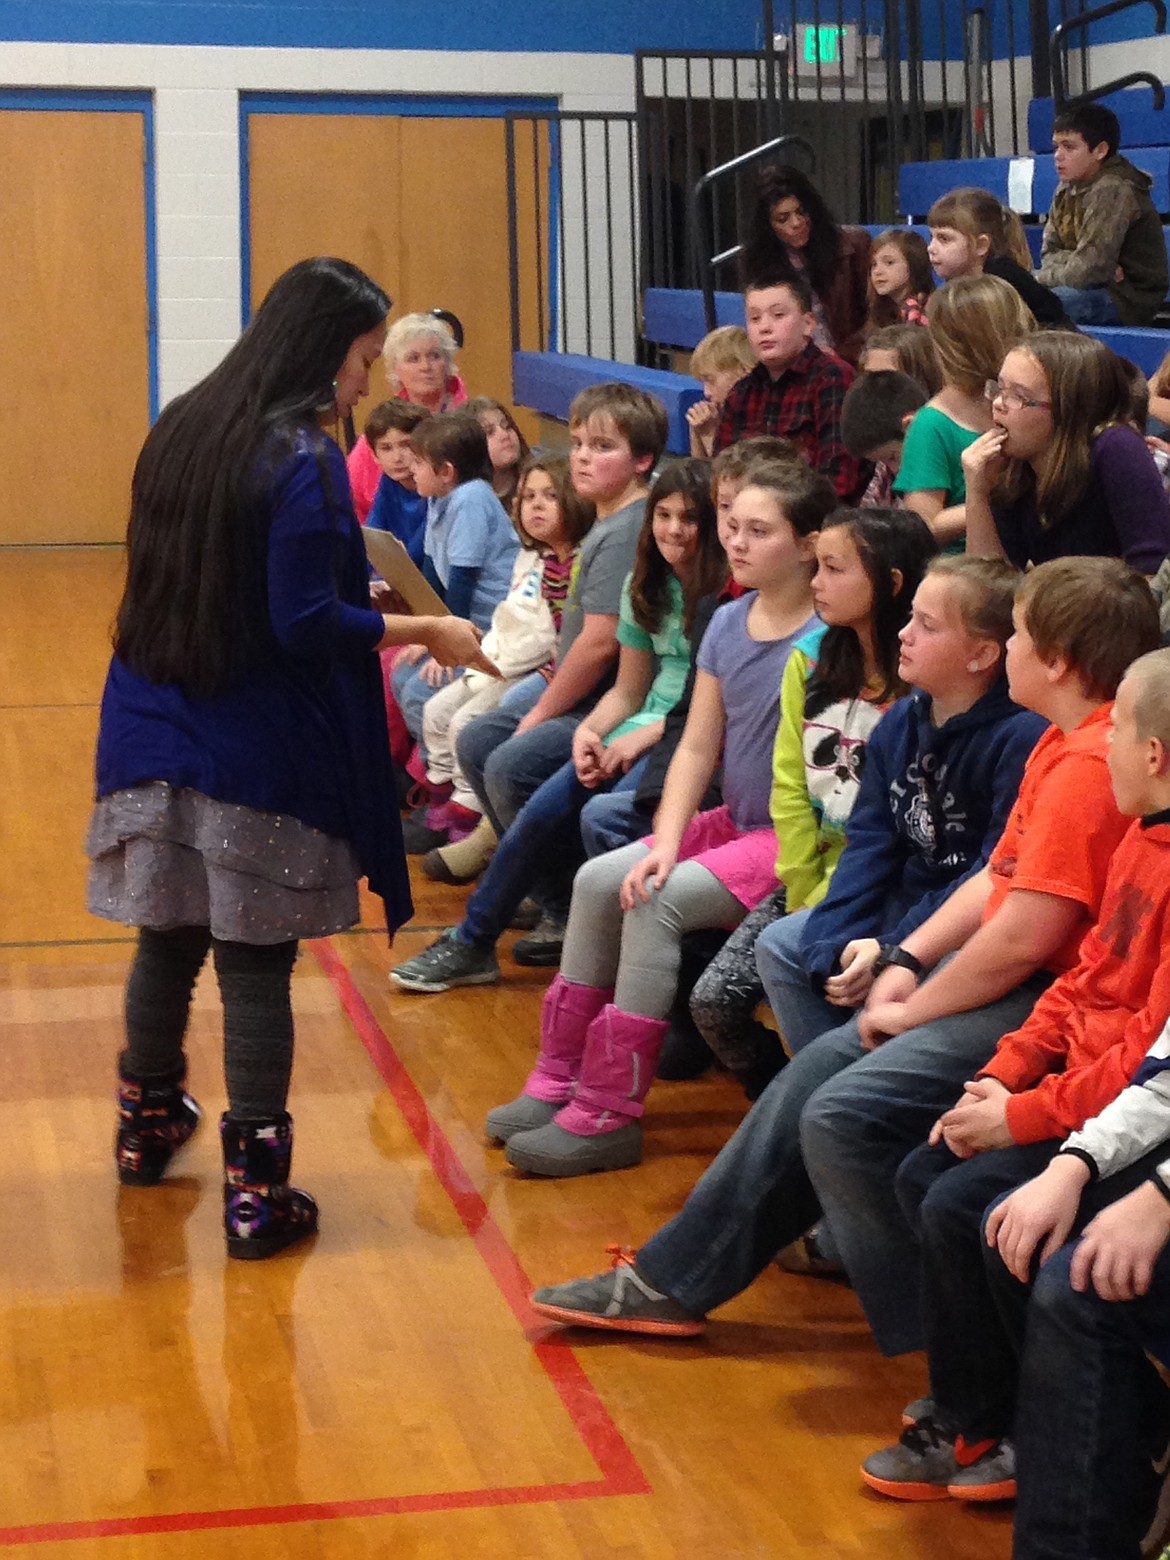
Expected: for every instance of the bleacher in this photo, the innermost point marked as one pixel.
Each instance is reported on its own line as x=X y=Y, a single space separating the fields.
x=674 y=318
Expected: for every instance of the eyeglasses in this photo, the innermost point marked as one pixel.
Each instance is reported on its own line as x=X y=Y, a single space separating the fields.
x=1011 y=400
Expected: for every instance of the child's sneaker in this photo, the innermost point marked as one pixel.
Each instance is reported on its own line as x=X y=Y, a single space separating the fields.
x=619 y=1299
x=927 y=1464
x=449 y=961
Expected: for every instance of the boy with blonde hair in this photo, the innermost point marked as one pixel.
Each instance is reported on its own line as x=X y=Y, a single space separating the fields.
x=721 y=359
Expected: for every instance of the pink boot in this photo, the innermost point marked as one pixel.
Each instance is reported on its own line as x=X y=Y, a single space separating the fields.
x=599 y=1129
x=565 y=1017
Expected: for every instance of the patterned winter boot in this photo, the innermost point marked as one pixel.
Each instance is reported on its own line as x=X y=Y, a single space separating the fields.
x=155 y=1118
x=262 y=1213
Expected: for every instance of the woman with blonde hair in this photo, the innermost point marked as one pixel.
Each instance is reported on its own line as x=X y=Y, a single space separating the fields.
x=1062 y=470
x=973 y=322
x=419 y=358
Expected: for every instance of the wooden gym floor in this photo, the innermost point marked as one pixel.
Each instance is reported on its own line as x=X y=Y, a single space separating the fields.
x=385 y=1391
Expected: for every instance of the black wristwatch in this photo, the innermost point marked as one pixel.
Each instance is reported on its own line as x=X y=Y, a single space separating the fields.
x=893 y=954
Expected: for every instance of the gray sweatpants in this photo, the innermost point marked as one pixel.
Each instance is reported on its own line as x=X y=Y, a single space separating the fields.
x=637 y=951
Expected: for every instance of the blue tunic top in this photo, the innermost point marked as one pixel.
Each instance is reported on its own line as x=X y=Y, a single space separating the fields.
x=304 y=732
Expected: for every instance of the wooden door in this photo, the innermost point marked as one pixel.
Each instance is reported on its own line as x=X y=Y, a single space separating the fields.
x=74 y=359
x=420 y=204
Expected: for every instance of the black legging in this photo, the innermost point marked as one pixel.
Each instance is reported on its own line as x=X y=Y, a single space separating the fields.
x=254 y=982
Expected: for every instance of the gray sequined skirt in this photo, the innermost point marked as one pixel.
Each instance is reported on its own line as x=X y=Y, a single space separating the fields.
x=162 y=858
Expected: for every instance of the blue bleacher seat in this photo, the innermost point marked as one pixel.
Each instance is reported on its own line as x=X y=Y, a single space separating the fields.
x=921 y=184
x=546 y=382
x=1142 y=345
x=1141 y=123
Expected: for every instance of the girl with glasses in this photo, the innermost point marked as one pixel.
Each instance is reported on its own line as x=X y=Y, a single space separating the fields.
x=1062 y=470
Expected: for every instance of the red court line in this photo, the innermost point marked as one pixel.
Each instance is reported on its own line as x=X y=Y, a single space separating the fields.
x=620 y=1473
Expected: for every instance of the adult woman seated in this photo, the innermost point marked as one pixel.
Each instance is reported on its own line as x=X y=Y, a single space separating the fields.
x=791 y=232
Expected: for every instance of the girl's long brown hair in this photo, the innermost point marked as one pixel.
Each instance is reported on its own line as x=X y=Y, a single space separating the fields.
x=973 y=322
x=1089 y=391
x=651 y=574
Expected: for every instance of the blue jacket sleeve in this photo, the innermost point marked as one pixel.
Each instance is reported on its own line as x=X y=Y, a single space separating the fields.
x=1018 y=739
x=305 y=540
x=460 y=589
x=871 y=863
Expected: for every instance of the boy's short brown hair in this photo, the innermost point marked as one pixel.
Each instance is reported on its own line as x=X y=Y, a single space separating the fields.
x=452 y=438
x=723 y=351
x=735 y=462
x=640 y=418
x=403 y=416
x=806 y=498
x=1098 y=614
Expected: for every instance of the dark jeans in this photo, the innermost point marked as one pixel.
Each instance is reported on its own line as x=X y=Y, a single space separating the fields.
x=538 y=854
x=504 y=769
x=975 y=1314
x=1093 y=1412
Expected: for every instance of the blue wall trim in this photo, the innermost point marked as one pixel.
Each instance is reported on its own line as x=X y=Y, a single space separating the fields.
x=549 y=26
x=397 y=105
x=83 y=101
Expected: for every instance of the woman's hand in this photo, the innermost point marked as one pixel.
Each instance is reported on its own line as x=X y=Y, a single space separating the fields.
x=588 y=756
x=384 y=598
x=984 y=461
x=656 y=865
x=850 y=987
x=454 y=641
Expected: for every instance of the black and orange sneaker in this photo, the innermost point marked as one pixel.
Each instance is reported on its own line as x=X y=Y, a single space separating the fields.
x=928 y=1464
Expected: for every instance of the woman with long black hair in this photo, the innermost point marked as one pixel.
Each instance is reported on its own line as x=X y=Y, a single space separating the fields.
x=243 y=769
x=791 y=232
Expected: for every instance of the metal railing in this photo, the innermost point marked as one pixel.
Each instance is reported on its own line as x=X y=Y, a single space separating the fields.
x=1081 y=23
x=573 y=232
x=702 y=226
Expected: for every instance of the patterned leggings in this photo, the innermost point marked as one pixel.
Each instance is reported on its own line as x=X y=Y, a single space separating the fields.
x=726 y=995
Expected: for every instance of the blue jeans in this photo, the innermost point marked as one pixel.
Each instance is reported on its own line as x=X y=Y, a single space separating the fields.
x=610 y=820
x=755 y=1197
x=503 y=769
x=538 y=854
x=800 y=1010
x=1088 y=305
x=1092 y=1413
x=859 y=1127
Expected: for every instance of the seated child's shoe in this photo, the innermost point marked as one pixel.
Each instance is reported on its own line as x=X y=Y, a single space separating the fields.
x=553 y=1152
x=566 y=1013
x=919 y=1467
x=527 y=916
x=541 y=949
x=619 y=1300
x=462 y=861
x=920 y=1408
x=928 y=1464
x=600 y=1128
x=991 y=1475
x=815 y=1256
x=425 y=829
x=523 y=1114
x=262 y=1213
x=155 y=1118
x=448 y=962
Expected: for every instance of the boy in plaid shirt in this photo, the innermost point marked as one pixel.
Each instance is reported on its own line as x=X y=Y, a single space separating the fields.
x=795 y=390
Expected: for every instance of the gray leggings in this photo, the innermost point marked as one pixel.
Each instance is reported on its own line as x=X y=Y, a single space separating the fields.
x=637 y=951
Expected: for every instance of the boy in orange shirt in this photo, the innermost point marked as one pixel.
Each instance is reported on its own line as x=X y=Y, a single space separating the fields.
x=1076 y=1052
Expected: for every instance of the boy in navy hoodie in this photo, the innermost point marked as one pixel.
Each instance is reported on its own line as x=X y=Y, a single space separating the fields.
x=942 y=771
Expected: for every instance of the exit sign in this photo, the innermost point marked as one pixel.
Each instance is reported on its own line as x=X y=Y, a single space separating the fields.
x=826 y=49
